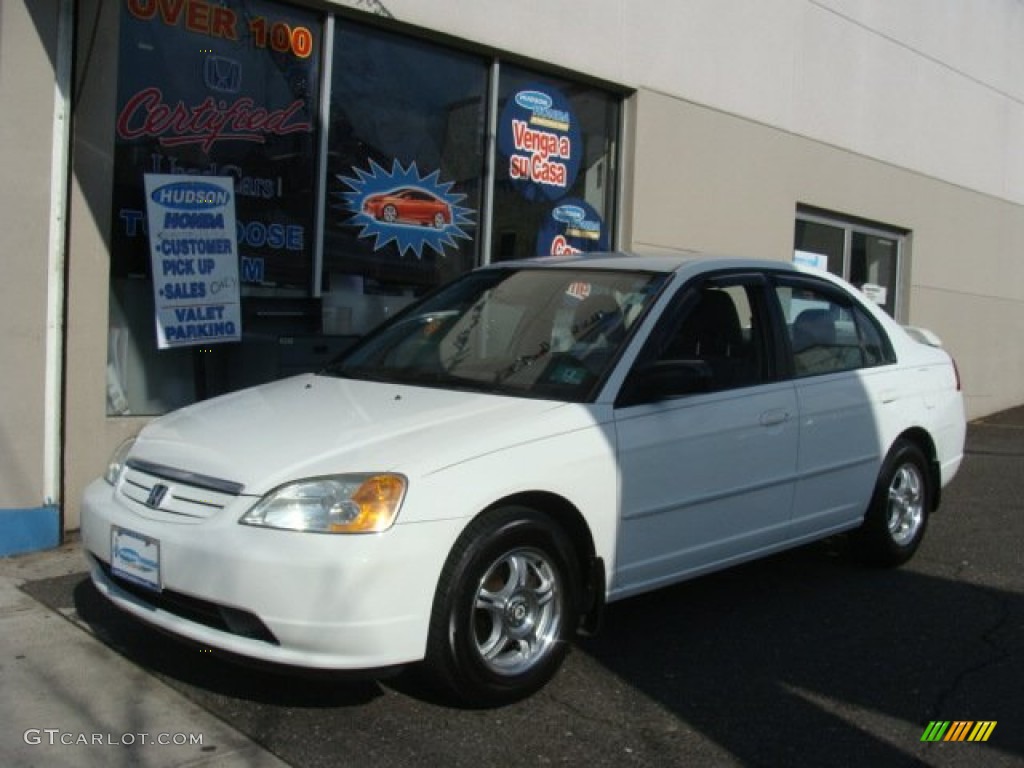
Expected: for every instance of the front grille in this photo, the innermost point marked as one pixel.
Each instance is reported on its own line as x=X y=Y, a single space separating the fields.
x=168 y=493
x=213 y=615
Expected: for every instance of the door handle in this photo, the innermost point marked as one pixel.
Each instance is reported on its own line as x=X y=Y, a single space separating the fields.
x=774 y=417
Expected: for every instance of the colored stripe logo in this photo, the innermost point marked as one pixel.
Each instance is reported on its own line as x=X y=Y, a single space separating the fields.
x=958 y=730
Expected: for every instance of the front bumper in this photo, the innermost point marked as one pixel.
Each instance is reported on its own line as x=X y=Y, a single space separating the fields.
x=327 y=601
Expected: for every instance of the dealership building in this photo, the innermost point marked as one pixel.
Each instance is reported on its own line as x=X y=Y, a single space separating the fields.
x=203 y=195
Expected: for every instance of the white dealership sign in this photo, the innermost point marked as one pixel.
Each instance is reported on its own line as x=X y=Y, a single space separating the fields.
x=194 y=254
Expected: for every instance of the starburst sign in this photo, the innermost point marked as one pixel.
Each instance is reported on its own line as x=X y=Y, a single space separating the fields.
x=405 y=230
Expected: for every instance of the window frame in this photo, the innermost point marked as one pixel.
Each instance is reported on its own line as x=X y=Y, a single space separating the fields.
x=850 y=225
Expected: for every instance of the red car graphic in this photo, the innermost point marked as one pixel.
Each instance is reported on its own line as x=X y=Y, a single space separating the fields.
x=408 y=204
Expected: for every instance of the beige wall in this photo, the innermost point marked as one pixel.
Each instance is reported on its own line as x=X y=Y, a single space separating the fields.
x=705 y=180
x=90 y=436
x=27 y=47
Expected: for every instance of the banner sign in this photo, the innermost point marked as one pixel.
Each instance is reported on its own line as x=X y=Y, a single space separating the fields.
x=194 y=258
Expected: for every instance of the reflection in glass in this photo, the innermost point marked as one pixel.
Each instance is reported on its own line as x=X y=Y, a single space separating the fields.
x=549 y=333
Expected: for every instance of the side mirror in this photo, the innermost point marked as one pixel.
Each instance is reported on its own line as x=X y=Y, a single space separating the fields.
x=667 y=379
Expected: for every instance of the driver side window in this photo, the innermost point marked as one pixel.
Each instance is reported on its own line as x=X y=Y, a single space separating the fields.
x=721 y=333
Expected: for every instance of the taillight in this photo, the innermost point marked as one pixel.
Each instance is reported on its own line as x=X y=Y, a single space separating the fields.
x=956 y=374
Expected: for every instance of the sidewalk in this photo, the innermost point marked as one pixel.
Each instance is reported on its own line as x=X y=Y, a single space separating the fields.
x=68 y=700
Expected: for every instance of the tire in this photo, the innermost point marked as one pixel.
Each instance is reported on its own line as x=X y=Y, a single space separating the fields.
x=390 y=214
x=897 y=517
x=439 y=222
x=505 y=610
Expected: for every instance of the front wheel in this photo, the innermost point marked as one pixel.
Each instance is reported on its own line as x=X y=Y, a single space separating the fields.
x=897 y=517
x=505 y=608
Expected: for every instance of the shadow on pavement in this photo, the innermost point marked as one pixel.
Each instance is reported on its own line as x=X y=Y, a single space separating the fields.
x=808 y=658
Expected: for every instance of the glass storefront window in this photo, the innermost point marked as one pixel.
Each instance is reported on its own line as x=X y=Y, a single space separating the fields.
x=388 y=156
x=554 y=191
x=405 y=169
x=234 y=97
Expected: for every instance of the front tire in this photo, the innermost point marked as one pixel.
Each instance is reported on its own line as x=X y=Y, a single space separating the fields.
x=505 y=608
x=897 y=517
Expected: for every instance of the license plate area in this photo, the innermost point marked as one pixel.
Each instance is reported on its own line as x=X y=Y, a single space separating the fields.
x=135 y=557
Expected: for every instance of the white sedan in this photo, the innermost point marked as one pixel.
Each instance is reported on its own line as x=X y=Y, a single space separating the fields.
x=470 y=484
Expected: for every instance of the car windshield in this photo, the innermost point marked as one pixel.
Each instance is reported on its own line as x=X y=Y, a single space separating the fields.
x=533 y=332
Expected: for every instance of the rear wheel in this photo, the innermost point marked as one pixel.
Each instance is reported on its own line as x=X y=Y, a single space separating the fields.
x=505 y=608
x=898 y=515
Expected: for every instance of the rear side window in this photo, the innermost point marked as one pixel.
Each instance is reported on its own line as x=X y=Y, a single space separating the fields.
x=828 y=333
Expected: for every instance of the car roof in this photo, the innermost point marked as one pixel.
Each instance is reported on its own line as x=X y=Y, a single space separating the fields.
x=685 y=261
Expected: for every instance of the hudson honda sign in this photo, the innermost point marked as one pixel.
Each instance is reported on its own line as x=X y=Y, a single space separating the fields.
x=194 y=259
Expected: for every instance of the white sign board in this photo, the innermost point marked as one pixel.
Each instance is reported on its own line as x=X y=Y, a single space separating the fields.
x=194 y=252
x=875 y=293
x=811 y=259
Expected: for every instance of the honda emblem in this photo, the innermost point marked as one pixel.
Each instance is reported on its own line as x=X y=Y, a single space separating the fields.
x=156 y=495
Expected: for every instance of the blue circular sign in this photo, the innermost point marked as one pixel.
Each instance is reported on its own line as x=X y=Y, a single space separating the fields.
x=573 y=226
x=539 y=137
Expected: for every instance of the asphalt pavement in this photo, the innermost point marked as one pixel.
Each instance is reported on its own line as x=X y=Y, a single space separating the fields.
x=807 y=658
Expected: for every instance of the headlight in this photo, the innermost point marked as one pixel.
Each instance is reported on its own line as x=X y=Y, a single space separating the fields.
x=338 y=504
x=117 y=461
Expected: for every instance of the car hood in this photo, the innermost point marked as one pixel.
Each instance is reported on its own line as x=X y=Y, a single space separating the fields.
x=315 y=425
